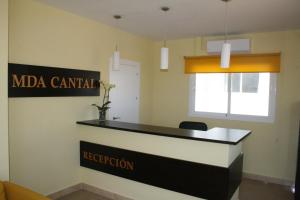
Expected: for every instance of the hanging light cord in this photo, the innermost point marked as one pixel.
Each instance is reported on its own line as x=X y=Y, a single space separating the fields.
x=165 y=30
x=165 y=10
x=226 y=20
x=117 y=18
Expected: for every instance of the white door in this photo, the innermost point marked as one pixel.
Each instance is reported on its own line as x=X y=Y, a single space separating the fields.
x=125 y=96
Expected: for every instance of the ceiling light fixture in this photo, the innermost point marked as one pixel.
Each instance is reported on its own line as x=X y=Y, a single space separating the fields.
x=226 y=48
x=116 y=54
x=164 y=52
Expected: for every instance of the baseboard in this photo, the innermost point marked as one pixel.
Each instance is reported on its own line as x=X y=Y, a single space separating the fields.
x=89 y=188
x=66 y=191
x=104 y=193
x=114 y=196
x=267 y=179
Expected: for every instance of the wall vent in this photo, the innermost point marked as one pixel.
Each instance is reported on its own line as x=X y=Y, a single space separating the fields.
x=237 y=46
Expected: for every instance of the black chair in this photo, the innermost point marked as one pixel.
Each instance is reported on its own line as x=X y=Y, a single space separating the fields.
x=193 y=125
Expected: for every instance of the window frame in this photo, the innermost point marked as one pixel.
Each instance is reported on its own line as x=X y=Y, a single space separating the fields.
x=228 y=116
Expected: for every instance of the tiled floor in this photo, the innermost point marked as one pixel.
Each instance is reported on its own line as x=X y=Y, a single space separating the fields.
x=249 y=190
x=83 y=195
x=256 y=190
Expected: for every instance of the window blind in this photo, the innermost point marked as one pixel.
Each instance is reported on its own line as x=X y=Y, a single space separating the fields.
x=239 y=63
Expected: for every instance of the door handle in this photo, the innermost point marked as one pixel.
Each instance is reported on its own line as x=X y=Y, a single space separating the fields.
x=114 y=118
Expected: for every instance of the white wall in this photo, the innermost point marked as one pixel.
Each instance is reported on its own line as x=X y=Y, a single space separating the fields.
x=4 y=159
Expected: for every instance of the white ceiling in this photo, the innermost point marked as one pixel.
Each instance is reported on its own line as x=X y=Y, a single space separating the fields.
x=188 y=18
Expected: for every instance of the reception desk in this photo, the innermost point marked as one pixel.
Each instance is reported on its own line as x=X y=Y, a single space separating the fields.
x=145 y=162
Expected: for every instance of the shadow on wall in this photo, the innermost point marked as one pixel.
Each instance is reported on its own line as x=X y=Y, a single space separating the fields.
x=294 y=137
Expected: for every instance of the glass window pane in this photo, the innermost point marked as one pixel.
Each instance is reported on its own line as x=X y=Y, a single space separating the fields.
x=210 y=93
x=250 y=82
x=235 y=82
x=254 y=98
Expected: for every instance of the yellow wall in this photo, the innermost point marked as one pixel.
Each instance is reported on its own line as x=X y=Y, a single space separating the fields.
x=44 y=145
x=271 y=149
x=4 y=160
x=43 y=135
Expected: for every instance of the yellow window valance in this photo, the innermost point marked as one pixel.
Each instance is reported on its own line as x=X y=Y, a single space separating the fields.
x=247 y=63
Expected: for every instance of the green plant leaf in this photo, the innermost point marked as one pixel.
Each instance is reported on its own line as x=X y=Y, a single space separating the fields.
x=105 y=108
x=99 y=108
x=106 y=103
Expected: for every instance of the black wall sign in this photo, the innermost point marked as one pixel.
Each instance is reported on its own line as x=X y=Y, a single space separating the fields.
x=39 y=81
x=195 y=179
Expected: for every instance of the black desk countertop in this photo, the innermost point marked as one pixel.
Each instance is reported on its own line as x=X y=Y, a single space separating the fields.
x=216 y=135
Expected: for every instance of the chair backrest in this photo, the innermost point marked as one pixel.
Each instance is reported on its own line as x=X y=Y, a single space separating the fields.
x=193 y=125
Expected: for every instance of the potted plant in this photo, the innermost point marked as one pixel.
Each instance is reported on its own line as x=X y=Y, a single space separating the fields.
x=105 y=102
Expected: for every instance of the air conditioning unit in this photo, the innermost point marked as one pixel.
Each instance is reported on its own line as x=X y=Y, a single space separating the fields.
x=237 y=46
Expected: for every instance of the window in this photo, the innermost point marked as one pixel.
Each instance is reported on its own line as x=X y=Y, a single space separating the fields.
x=251 y=96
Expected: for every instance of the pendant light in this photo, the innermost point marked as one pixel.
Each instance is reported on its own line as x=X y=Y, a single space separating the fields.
x=116 y=54
x=164 y=57
x=164 y=52
x=226 y=48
